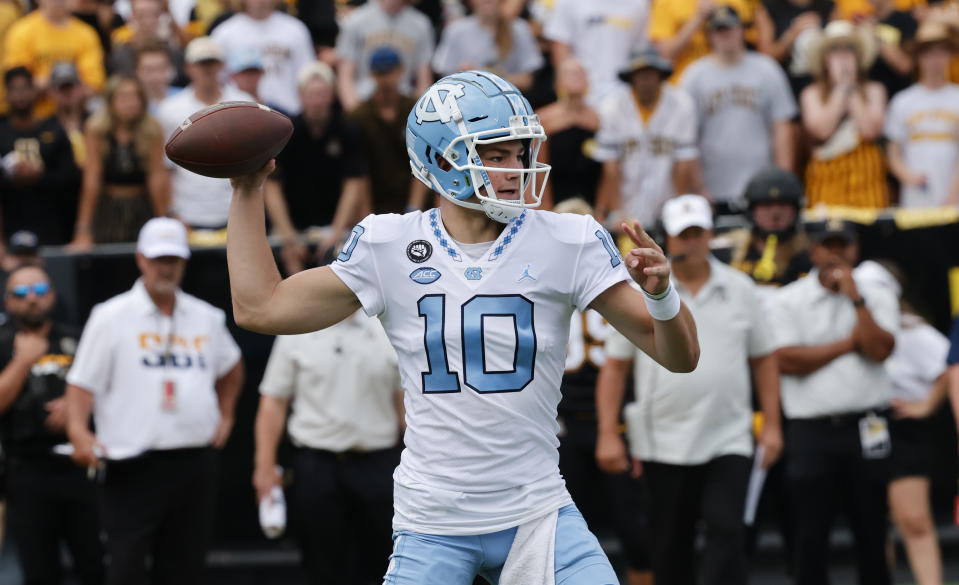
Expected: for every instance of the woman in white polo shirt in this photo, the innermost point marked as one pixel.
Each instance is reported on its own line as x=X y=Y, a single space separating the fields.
x=161 y=374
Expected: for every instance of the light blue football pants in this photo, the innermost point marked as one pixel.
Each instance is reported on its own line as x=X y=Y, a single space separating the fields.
x=424 y=559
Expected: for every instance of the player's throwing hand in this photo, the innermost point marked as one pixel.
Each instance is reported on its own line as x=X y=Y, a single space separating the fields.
x=254 y=181
x=646 y=262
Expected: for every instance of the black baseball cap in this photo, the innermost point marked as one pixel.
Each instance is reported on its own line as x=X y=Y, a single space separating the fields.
x=64 y=73
x=24 y=243
x=773 y=184
x=723 y=17
x=645 y=58
x=820 y=231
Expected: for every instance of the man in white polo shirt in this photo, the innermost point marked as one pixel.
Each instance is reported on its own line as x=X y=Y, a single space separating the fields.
x=834 y=331
x=161 y=375
x=693 y=432
x=344 y=385
x=201 y=202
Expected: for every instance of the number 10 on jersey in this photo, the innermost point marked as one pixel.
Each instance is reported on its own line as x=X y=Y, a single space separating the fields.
x=439 y=379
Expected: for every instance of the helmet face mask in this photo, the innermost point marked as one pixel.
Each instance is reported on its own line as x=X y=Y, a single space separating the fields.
x=457 y=115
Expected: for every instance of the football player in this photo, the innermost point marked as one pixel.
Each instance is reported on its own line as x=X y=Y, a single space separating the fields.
x=476 y=296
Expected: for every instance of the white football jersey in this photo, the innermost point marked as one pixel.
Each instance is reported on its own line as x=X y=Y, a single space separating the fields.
x=481 y=348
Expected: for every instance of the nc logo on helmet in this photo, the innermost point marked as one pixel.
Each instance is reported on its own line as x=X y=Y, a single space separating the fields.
x=438 y=104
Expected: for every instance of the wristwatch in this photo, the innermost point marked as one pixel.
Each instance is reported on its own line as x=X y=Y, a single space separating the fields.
x=860 y=302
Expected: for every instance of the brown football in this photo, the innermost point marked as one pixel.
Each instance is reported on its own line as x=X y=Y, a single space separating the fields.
x=229 y=139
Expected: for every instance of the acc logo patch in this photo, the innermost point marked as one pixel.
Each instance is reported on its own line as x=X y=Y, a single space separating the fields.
x=473 y=273
x=425 y=275
x=419 y=251
x=438 y=104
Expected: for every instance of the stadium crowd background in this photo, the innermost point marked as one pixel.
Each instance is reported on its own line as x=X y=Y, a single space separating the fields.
x=92 y=88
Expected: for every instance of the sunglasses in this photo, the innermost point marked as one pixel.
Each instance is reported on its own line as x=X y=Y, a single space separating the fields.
x=22 y=290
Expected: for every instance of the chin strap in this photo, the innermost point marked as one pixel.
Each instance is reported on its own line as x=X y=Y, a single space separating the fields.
x=501 y=213
x=765 y=269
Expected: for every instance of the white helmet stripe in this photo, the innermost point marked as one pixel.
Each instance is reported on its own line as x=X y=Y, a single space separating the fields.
x=509 y=92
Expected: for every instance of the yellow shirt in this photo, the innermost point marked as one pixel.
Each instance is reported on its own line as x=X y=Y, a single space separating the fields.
x=669 y=16
x=35 y=43
x=9 y=13
x=848 y=9
x=121 y=36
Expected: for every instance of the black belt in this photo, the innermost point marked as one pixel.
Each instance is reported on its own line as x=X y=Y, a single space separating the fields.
x=346 y=455
x=843 y=419
x=159 y=454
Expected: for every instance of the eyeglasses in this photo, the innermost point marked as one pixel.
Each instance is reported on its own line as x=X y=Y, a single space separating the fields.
x=22 y=290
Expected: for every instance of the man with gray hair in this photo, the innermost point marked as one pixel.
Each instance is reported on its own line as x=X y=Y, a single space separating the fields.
x=321 y=175
x=744 y=109
x=161 y=375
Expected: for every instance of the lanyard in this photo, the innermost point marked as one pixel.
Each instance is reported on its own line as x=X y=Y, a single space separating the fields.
x=169 y=395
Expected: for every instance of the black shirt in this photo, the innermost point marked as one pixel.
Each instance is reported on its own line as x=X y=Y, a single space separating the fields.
x=579 y=380
x=93 y=19
x=385 y=143
x=24 y=433
x=574 y=172
x=312 y=169
x=783 y=13
x=904 y=27
x=47 y=206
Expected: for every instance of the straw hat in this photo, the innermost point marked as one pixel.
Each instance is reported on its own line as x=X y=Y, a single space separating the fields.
x=935 y=31
x=842 y=32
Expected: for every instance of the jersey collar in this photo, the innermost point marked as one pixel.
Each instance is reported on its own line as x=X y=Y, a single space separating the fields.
x=446 y=243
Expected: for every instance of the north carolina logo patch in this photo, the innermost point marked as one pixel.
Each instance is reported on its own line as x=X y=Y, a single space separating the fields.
x=425 y=275
x=419 y=251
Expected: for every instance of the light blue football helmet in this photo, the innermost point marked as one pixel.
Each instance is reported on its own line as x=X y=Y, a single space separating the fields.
x=464 y=110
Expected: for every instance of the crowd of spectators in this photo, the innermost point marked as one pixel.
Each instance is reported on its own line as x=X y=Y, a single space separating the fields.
x=853 y=96
x=642 y=100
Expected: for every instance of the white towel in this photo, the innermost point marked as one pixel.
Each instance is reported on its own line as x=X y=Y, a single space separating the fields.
x=530 y=559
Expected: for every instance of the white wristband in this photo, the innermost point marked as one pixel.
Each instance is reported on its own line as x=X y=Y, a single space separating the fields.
x=665 y=307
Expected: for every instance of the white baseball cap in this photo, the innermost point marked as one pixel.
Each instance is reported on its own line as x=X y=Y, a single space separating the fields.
x=687 y=211
x=203 y=49
x=163 y=236
x=314 y=70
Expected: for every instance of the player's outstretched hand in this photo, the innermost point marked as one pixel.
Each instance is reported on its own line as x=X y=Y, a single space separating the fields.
x=254 y=181
x=646 y=262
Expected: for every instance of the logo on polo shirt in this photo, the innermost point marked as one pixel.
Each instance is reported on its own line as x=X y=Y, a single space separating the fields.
x=56 y=364
x=176 y=351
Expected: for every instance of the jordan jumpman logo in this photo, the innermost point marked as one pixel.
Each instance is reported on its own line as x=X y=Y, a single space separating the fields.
x=526 y=275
